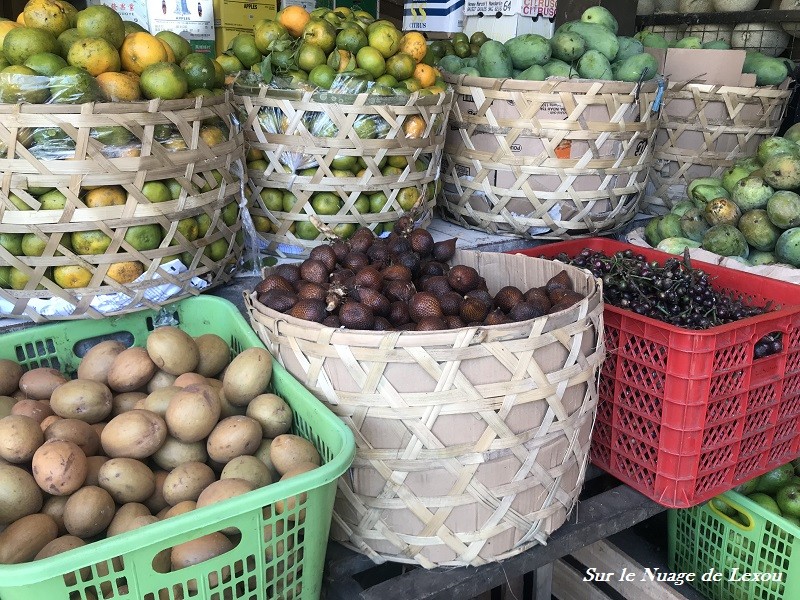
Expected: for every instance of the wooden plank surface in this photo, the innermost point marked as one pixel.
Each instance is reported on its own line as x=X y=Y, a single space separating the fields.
x=596 y=518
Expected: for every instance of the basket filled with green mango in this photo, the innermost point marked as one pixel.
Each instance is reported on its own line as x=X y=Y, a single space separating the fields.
x=721 y=103
x=551 y=138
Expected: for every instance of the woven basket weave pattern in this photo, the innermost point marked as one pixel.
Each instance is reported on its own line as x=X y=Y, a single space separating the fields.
x=704 y=129
x=342 y=113
x=472 y=443
x=185 y=156
x=517 y=152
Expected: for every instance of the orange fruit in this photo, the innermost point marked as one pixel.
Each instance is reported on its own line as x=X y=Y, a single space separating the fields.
x=372 y=60
x=413 y=43
x=47 y=15
x=140 y=50
x=5 y=27
x=66 y=39
x=125 y=272
x=119 y=87
x=96 y=55
x=179 y=45
x=386 y=39
x=72 y=276
x=407 y=198
x=425 y=74
x=164 y=80
x=310 y=56
x=18 y=83
x=414 y=127
x=266 y=32
x=320 y=33
x=103 y=22
x=144 y=237
x=229 y=63
x=46 y=63
x=105 y=195
x=200 y=71
x=90 y=242
x=21 y=43
x=401 y=66
x=212 y=135
x=294 y=18
x=168 y=49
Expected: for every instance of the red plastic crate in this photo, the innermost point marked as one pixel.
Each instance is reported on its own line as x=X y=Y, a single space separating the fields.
x=684 y=415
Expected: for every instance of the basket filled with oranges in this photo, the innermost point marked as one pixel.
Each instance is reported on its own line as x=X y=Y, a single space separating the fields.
x=122 y=166
x=344 y=124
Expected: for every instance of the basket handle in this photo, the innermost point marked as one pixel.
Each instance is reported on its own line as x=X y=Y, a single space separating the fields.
x=743 y=519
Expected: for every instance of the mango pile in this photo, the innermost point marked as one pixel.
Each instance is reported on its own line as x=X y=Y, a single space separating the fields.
x=585 y=49
x=54 y=53
x=769 y=70
x=326 y=46
x=751 y=213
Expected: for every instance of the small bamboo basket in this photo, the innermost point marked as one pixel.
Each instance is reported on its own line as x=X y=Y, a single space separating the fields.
x=704 y=129
x=547 y=159
x=67 y=151
x=291 y=127
x=471 y=443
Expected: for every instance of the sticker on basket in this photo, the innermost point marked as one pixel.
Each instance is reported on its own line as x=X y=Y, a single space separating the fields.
x=555 y=109
x=58 y=307
x=564 y=149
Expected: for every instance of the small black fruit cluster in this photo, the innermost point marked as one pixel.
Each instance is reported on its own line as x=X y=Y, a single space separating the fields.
x=675 y=292
x=401 y=282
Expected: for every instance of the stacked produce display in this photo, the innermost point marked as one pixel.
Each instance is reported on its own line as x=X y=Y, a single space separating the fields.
x=358 y=321
x=752 y=213
x=344 y=123
x=585 y=49
x=750 y=521
x=123 y=166
x=529 y=151
x=160 y=459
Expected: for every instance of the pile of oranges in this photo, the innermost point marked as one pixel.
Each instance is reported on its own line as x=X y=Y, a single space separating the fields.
x=317 y=47
x=57 y=54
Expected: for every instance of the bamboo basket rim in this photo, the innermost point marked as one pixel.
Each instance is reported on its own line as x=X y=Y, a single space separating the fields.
x=310 y=330
x=325 y=97
x=562 y=83
x=154 y=105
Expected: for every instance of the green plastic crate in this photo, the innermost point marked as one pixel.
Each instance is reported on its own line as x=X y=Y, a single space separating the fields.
x=285 y=566
x=702 y=539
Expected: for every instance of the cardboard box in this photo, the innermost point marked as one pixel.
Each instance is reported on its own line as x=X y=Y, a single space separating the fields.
x=502 y=20
x=706 y=68
x=242 y=15
x=129 y=11
x=192 y=19
x=445 y=16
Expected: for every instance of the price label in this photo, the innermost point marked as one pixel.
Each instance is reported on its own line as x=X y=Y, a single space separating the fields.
x=488 y=7
x=535 y=8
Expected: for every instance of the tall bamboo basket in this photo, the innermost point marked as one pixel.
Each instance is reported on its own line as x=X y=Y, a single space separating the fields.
x=472 y=443
x=314 y=128
x=705 y=129
x=547 y=159
x=193 y=142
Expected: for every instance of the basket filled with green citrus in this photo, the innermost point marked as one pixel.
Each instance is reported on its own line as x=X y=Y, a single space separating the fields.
x=122 y=166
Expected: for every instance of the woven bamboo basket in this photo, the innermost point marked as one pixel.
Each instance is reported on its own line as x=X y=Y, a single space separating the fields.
x=471 y=443
x=704 y=129
x=550 y=159
x=191 y=144
x=291 y=127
